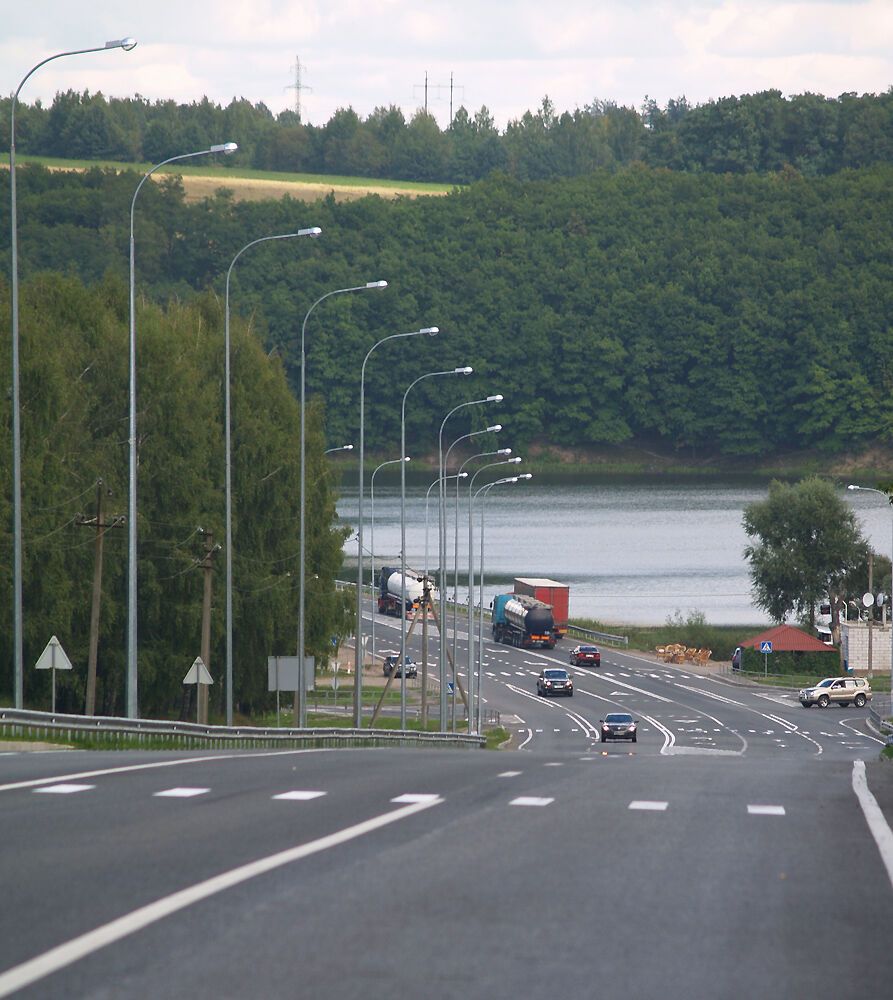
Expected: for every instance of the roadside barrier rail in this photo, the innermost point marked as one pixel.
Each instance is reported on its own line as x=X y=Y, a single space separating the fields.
x=110 y=732
x=604 y=637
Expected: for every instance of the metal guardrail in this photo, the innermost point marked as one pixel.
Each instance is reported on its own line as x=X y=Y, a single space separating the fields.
x=880 y=711
x=603 y=637
x=112 y=732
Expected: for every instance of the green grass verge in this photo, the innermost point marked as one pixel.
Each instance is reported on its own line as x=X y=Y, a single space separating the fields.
x=694 y=631
x=209 y=169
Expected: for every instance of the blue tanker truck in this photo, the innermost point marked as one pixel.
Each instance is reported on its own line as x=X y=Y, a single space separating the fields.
x=522 y=621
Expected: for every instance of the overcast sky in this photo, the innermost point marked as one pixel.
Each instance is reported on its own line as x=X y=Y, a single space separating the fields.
x=505 y=54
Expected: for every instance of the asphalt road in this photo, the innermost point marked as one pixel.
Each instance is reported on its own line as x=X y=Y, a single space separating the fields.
x=725 y=854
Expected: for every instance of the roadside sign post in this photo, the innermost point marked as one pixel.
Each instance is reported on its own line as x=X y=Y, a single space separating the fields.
x=53 y=658
x=766 y=649
x=198 y=674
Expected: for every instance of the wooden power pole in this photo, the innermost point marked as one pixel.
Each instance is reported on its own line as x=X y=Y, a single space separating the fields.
x=101 y=528
x=207 y=566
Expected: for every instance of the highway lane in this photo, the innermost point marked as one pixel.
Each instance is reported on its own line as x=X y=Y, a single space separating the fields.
x=535 y=874
x=680 y=712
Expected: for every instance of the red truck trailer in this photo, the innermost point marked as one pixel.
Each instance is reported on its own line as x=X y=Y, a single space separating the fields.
x=550 y=592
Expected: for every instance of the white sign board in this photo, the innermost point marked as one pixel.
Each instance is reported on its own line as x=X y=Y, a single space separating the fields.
x=282 y=673
x=198 y=673
x=53 y=657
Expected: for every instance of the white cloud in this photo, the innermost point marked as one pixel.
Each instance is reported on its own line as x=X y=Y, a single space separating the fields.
x=506 y=54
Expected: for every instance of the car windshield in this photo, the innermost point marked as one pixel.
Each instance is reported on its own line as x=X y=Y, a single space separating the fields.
x=619 y=717
x=588 y=649
x=826 y=684
x=555 y=675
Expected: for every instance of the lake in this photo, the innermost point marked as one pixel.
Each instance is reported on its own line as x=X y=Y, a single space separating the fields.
x=632 y=553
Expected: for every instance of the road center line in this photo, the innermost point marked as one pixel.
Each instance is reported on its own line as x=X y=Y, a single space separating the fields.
x=66 y=954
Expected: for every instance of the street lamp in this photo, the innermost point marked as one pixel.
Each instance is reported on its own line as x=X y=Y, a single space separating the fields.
x=453 y=371
x=227 y=421
x=300 y=698
x=18 y=658
x=131 y=693
x=484 y=490
x=430 y=331
x=889 y=499
x=460 y=475
x=343 y=447
x=393 y=461
x=442 y=543
x=492 y=429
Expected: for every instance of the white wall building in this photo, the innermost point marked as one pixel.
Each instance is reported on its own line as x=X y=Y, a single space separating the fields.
x=854 y=643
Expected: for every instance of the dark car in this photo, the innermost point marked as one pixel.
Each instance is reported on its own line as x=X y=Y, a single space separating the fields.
x=586 y=654
x=618 y=726
x=392 y=663
x=555 y=680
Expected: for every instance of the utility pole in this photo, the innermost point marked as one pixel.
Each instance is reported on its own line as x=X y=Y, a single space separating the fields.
x=207 y=566
x=101 y=528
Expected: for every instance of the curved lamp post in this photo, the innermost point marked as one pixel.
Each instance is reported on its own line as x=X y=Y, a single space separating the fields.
x=301 y=695
x=465 y=370
x=393 y=461
x=492 y=429
x=459 y=475
x=429 y=331
x=227 y=421
x=441 y=543
x=484 y=490
x=886 y=496
x=132 y=710
x=343 y=447
x=119 y=43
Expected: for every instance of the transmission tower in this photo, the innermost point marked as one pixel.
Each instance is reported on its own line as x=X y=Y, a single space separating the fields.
x=297 y=87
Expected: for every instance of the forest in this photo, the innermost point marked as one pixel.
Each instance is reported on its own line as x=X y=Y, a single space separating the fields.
x=706 y=315
x=762 y=132
x=74 y=405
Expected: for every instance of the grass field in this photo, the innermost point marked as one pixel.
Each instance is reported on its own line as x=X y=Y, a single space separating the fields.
x=202 y=179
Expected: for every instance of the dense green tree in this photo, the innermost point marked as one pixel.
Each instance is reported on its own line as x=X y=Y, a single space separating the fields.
x=807 y=546
x=74 y=432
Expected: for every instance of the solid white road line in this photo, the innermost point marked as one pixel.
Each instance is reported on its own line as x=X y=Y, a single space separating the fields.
x=874 y=817
x=77 y=948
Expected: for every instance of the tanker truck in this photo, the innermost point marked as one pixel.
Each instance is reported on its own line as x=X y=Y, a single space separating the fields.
x=390 y=587
x=522 y=621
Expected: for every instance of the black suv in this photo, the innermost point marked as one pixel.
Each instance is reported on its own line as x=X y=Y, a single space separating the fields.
x=554 y=680
x=392 y=663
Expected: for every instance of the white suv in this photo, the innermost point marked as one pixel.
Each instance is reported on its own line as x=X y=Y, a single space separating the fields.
x=841 y=690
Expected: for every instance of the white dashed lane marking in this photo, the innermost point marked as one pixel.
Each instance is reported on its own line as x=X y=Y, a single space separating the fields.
x=181 y=793
x=62 y=789
x=644 y=804
x=755 y=810
x=298 y=796
x=530 y=800
x=509 y=774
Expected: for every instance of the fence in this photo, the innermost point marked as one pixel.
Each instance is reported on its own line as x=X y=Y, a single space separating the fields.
x=111 y=733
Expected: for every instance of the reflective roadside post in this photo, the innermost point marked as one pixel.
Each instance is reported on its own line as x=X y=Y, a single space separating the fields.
x=301 y=694
x=889 y=499
x=131 y=682
x=484 y=491
x=17 y=615
x=227 y=422
x=425 y=331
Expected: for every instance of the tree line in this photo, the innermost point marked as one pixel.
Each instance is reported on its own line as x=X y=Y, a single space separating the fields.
x=74 y=407
x=760 y=132
x=705 y=315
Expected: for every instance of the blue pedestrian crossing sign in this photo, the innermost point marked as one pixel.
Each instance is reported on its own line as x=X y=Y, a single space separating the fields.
x=450 y=686
x=765 y=646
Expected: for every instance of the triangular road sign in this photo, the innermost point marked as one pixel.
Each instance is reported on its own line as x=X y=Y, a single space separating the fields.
x=198 y=673
x=53 y=657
